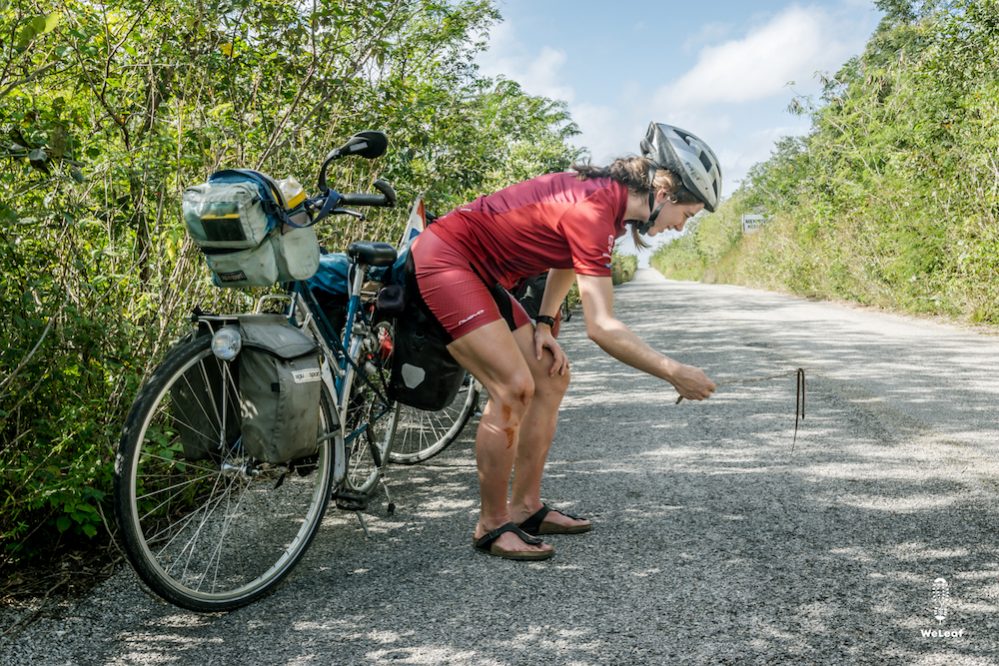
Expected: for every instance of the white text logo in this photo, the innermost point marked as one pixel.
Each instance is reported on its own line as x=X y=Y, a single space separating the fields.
x=940 y=592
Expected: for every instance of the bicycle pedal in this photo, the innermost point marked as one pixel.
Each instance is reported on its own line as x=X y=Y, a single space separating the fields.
x=350 y=501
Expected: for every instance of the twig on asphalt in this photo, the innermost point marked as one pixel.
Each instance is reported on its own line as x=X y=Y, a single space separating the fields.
x=799 y=398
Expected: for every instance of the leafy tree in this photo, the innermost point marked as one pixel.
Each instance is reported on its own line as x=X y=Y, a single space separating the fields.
x=893 y=198
x=108 y=110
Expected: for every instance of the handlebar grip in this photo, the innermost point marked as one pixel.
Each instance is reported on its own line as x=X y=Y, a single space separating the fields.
x=358 y=199
x=386 y=198
x=387 y=190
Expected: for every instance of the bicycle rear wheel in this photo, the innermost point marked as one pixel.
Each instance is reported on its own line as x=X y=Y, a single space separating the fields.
x=205 y=526
x=421 y=435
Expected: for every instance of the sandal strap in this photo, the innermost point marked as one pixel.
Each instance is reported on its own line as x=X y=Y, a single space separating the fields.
x=487 y=539
x=533 y=522
x=567 y=514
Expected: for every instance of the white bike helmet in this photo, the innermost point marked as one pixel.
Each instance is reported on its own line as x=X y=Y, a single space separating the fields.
x=683 y=153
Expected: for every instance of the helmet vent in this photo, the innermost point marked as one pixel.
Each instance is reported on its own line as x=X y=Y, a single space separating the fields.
x=705 y=160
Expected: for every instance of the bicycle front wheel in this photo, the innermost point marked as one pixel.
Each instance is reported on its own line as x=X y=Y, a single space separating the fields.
x=421 y=435
x=205 y=526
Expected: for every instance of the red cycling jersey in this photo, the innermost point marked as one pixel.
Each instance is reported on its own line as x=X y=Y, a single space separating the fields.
x=552 y=221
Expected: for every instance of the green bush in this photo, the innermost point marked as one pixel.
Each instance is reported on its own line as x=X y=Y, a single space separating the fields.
x=623 y=267
x=102 y=128
x=892 y=199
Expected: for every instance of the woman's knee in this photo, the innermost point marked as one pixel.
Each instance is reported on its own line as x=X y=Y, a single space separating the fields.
x=553 y=385
x=514 y=396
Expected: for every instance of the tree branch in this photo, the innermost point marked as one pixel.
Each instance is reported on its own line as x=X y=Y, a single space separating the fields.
x=28 y=79
x=20 y=366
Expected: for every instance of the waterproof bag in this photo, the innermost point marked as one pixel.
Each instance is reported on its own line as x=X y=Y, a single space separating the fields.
x=205 y=410
x=329 y=285
x=250 y=236
x=424 y=374
x=280 y=385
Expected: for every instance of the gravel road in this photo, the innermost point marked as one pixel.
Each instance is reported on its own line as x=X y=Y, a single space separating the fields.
x=714 y=542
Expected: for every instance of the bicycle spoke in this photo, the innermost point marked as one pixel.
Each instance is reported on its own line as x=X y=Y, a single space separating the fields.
x=173 y=461
x=227 y=521
x=179 y=528
x=182 y=485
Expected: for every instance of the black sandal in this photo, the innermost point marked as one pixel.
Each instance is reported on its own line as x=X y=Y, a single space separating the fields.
x=487 y=544
x=534 y=524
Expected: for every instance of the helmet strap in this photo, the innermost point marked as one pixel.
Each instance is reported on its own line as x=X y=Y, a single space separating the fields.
x=643 y=227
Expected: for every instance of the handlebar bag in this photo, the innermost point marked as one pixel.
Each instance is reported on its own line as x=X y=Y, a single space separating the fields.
x=424 y=375
x=280 y=383
x=240 y=221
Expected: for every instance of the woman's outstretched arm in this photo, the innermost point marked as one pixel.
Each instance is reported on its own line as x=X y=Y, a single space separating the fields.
x=611 y=335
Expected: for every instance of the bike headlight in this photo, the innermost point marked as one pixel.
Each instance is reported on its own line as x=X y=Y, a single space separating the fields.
x=226 y=343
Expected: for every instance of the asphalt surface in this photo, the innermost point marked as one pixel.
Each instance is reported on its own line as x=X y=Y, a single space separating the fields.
x=714 y=542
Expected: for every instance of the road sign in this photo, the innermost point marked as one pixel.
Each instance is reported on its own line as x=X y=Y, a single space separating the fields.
x=752 y=222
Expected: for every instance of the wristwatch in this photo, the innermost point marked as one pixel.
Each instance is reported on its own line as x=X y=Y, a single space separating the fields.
x=545 y=319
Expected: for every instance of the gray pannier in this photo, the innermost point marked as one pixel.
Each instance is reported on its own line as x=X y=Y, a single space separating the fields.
x=280 y=383
x=201 y=402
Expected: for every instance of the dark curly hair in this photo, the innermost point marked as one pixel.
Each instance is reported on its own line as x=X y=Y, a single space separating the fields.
x=633 y=173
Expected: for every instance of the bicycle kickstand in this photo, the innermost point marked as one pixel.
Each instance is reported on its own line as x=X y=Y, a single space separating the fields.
x=364 y=524
x=390 y=507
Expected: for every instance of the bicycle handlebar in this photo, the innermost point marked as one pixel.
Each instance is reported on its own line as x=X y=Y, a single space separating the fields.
x=369 y=145
x=362 y=199
x=387 y=198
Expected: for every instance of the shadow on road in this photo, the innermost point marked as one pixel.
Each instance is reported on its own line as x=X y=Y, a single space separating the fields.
x=713 y=541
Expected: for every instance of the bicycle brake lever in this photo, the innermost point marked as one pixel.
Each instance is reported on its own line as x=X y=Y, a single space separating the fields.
x=345 y=211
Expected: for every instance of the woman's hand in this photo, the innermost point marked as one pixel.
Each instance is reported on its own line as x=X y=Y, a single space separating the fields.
x=543 y=339
x=691 y=383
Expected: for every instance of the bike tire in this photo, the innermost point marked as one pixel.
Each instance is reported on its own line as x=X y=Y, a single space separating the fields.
x=566 y=310
x=217 y=533
x=421 y=435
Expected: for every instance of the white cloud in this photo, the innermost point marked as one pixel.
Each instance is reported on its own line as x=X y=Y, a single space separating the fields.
x=709 y=32
x=606 y=132
x=540 y=72
x=790 y=47
x=756 y=147
x=732 y=95
x=537 y=73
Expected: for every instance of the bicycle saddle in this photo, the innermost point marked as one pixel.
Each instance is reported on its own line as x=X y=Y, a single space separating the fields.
x=372 y=253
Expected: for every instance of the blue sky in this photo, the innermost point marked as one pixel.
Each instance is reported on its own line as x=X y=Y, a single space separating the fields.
x=719 y=69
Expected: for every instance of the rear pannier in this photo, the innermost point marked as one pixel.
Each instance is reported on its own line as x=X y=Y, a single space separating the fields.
x=424 y=374
x=280 y=383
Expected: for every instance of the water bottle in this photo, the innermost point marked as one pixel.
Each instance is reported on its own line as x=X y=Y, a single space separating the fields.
x=294 y=198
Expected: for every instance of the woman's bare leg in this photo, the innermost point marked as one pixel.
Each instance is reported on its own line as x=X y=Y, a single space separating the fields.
x=536 y=433
x=493 y=356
